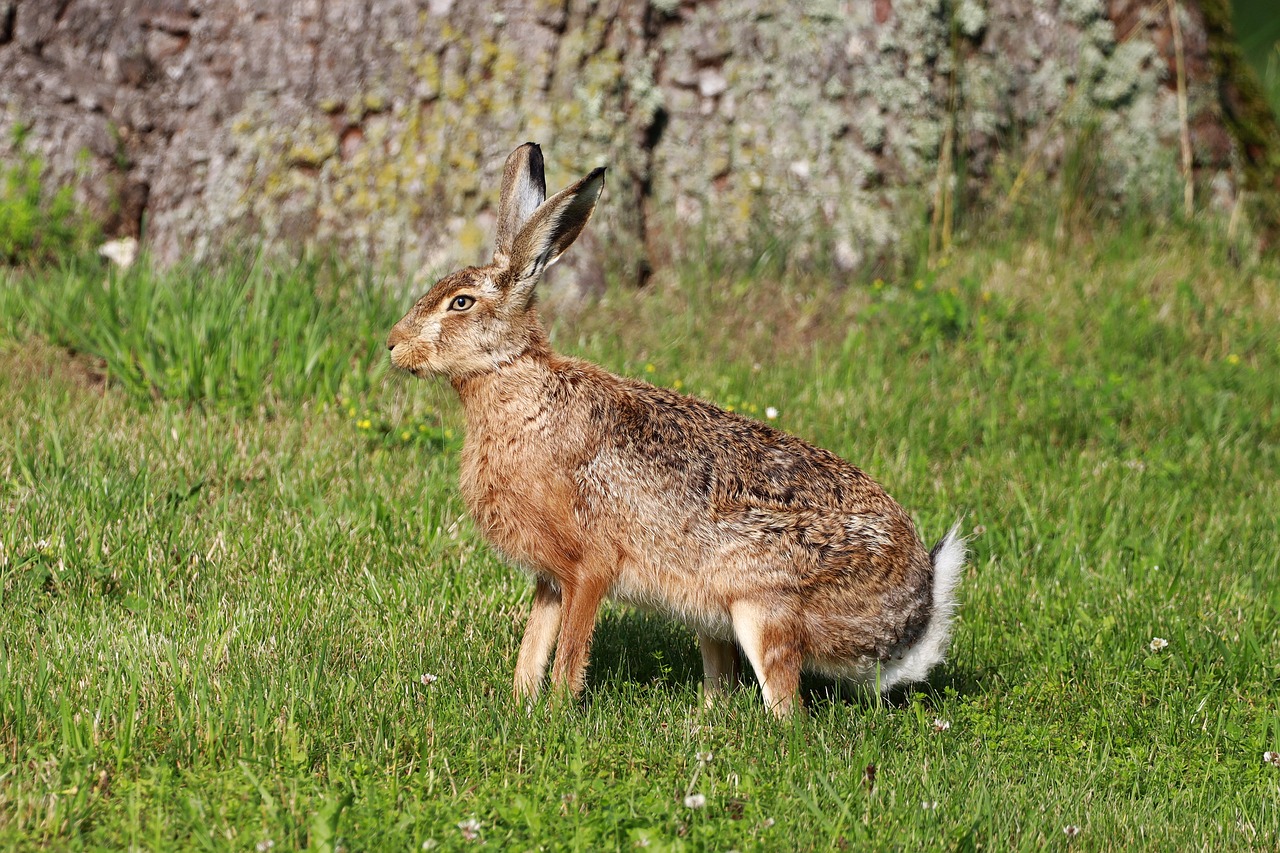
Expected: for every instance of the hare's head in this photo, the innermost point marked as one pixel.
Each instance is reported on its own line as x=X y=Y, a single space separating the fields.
x=479 y=318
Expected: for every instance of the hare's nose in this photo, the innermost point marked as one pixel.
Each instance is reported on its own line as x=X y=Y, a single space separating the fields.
x=398 y=335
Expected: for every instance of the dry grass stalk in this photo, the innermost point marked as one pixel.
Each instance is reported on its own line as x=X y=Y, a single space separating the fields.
x=1179 y=57
x=1029 y=165
x=940 y=229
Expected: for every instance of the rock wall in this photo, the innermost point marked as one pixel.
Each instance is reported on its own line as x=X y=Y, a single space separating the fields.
x=379 y=127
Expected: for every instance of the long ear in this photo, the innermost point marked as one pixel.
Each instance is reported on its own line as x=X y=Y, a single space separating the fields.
x=551 y=230
x=524 y=187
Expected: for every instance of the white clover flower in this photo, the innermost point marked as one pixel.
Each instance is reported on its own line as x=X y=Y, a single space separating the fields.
x=1159 y=644
x=940 y=725
x=264 y=845
x=470 y=828
x=427 y=678
x=695 y=801
x=1071 y=830
x=705 y=757
x=771 y=413
x=1272 y=758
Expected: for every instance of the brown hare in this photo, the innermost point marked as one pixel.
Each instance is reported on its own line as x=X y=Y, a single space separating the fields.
x=606 y=486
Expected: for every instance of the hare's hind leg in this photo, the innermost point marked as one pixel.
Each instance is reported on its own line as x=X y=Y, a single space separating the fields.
x=539 y=637
x=719 y=667
x=771 y=645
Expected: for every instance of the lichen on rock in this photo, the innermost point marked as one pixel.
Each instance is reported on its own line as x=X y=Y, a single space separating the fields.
x=378 y=129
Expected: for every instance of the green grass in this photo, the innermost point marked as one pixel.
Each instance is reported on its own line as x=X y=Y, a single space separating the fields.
x=233 y=546
x=38 y=222
x=1257 y=27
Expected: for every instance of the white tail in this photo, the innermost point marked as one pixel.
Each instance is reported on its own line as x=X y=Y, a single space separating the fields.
x=948 y=563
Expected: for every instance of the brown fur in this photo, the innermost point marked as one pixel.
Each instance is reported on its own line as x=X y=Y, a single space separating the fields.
x=601 y=485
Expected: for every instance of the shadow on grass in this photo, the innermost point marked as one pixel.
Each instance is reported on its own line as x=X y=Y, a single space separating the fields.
x=641 y=648
x=943 y=681
x=632 y=646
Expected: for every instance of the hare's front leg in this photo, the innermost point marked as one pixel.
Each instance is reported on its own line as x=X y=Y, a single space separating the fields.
x=719 y=667
x=539 y=637
x=581 y=603
x=769 y=641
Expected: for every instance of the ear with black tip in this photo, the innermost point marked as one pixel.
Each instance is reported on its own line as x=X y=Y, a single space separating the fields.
x=551 y=230
x=524 y=188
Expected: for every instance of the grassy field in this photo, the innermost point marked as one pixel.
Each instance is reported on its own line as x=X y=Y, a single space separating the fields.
x=241 y=606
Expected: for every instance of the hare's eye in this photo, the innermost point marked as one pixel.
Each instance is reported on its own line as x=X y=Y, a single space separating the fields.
x=461 y=302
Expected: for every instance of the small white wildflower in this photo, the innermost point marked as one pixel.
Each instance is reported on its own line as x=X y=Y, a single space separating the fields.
x=766 y=823
x=120 y=252
x=771 y=413
x=264 y=845
x=705 y=757
x=1071 y=830
x=940 y=725
x=427 y=678
x=929 y=805
x=695 y=801
x=1272 y=758
x=1159 y=644
x=470 y=828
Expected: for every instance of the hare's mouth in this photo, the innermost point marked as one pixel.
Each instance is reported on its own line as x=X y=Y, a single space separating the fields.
x=412 y=369
x=409 y=362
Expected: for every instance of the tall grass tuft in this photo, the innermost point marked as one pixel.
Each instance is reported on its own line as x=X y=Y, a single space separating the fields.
x=242 y=334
